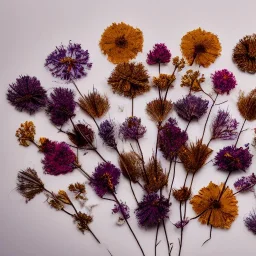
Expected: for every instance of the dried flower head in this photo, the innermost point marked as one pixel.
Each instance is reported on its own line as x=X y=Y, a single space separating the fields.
x=105 y=178
x=63 y=197
x=194 y=156
x=27 y=94
x=178 y=63
x=163 y=81
x=159 y=54
x=123 y=209
x=26 y=133
x=250 y=222
x=79 y=190
x=82 y=220
x=61 y=106
x=129 y=79
x=191 y=107
x=181 y=224
x=29 y=184
x=158 y=110
x=131 y=165
x=55 y=203
x=247 y=105
x=220 y=212
x=68 y=62
x=152 y=210
x=94 y=104
x=245 y=183
x=131 y=129
x=223 y=81
x=107 y=133
x=182 y=194
x=231 y=159
x=200 y=47
x=193 y=80
x=244 y=54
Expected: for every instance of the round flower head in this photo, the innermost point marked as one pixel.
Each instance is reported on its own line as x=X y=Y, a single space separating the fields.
x=121 y=42
x=159 y=54
x=245 y=183
x=244 y=54
x=27 y=94
x=220 y=212
x=152 y=210
x=26 y=133
x=61 y=106
x=250 y=222
x=107 y=133
x=200 y=47
x=182 y=194
x=191 y=107
x=132 y=129
x=58 y=158
x=231 y=158
x=129 y=79
x=223 y=81
x=68 y=62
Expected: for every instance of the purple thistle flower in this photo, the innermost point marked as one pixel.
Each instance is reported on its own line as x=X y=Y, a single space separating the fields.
x=171 y=138
x=224 y=127
x=68 y=63
x=191 y=107
x=245 y=183
x=105 y=178
x=181 y=224
x=61 y=106
x=232 y=158
x=107 y=133
x=223 y=81
x=152 y=210
x=250 y=222
x=123 y=209
x=27 y=94
x=132 y=129
x=58 y=158
x=159 y=54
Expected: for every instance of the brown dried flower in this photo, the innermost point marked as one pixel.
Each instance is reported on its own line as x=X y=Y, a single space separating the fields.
x=129 y=79
x=182 y=194
x=26 y=133
x=163 y=81
x=82 y=221
x=55 y=203
x=193 y=80
x=63 y=197
x=79 y=190
x=178 y=63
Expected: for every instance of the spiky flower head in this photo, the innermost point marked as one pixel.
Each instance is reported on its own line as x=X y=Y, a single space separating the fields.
x=26 y=133
x=245 y=183
x=107 y=133
x=250 y=222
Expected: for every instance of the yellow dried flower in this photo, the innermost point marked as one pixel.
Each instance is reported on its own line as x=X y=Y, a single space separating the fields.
x=79 y=190
x=178 y=63
x=63 y=197
x=82 y=221
x=26 y=133
x=193 y=80
x=163 y=81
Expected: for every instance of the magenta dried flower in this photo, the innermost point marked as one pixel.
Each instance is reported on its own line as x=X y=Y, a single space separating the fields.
x=58 y=158
x=231 y=158
x=152 y=210
x=245 y=183
x=68 y=63
x=250 y=222
x=132 y=129
x=191 y=107
x=107 y=133
x=105 y=178
x=159 y=54
x=27 y=94
x=224 y=127
x=223 y=81
x=61 y=106
x=123 y=209
x=181 y=224
x=171 y=138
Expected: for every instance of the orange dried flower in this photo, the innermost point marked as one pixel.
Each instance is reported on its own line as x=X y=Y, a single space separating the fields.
x=163 y=81
x=26 y=133
x=182 y=194
x=178 y=63
x=82 y=220
x=193 y=80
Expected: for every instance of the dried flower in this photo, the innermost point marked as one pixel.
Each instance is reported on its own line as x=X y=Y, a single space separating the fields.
x=68 y=62
x=26 y=133
x=181 y=224
x=152 y=210
x=79 y=190
x=224 y=127
x=55 y=203
x=159 y=54
x=244 y=54
x=220 y=212
x=158 y=110
x=223 y=81
x=178 y=63
x=132 y=129
x=231 y=158
x=250 y=222
x=129 y=79
x=94 y=104
x=193 y=80
x=105 y=178
x=163 y=81
x=182 y=194
x=123 y=209
x=27 y=94
x=58 y=158
x=29 y=184
x=63 y=197
x=191 y=107
x=171 y=138
x=61 y=106
x=107 y=133
x=245 y=183
x=201 y=47
x=194 y=156
x=82 y=220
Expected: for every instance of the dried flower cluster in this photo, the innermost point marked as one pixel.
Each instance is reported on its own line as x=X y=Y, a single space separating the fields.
x=193 y=80
x=163 y=81
x=26 y=133
x=245 y=183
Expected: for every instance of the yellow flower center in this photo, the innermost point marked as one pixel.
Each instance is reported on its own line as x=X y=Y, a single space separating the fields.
x=68 y=61
x=121 y=42
x=107 y=178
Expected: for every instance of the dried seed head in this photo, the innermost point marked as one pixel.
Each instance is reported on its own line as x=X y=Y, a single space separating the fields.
x=182 y=194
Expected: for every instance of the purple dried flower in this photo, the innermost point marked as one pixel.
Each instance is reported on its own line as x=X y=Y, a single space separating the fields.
x=171 y=138
x=123 y=209
x=58 y=158
x=224 y=127
x=159 y=54
x=61 y=106
x=132 y=129
x=245 y=183
x=27 y=94
x=152 y=210
x=250 y=222
x=107 y=133
x=68 y=63
x=232 y=158
x=223 y=81
x=105 y=178
x=191 y=107
x=181 y=224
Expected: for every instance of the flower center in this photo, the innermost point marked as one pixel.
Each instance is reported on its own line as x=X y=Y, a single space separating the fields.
x=107 y=178
x=216 y=204
x=24 y=98
x=199 y=49
x=69 y=62
x=121 y=42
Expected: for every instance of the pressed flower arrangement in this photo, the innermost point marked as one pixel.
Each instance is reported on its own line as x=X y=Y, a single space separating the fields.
x=214 y=205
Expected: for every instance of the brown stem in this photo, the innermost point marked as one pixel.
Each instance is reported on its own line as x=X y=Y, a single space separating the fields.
x=84 y=172
x=170 y=167
x=209 y=236
x=165 y=96
x=77 y=88
x=132 y=105
x=181 y=231
x=167 y=240
x=173 y=177
x=241 y=130
x=157 y=229
x=143 y=161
